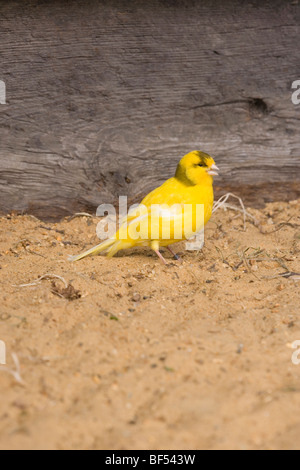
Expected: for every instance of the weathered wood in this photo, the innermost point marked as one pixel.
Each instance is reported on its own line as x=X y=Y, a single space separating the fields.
x=104 y=97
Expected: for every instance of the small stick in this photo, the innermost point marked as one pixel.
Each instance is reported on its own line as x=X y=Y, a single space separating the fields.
x=47 y=277
x=222 y=203
x=79 y=214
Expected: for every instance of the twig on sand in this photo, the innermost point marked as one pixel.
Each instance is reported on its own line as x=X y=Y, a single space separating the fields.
x=290 y=275
x=79 y=214
x=222 y=203
x=25 y=243
x=247 y=264
x=42 y=278
x=283 y=224
x=286 y=275
x=30 y=216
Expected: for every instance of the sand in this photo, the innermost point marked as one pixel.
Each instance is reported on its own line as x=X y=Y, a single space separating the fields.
x=130 y=354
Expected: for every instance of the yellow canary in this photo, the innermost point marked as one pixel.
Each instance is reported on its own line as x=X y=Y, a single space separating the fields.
x=173 y=212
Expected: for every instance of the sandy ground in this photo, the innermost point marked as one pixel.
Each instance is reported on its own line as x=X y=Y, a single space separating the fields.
x=136 y=355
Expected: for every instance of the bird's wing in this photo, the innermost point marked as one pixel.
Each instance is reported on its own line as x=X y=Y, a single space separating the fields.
x=169 y=193
x=167 y=213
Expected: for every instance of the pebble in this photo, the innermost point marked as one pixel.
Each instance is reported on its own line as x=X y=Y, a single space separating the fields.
x=136 y=297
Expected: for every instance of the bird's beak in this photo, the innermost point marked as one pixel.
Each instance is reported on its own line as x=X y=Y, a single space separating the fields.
x=213 y=170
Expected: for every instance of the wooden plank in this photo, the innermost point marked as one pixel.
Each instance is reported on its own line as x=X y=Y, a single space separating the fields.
x=104 y=97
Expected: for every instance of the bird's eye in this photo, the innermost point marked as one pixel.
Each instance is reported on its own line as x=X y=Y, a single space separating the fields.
x=201 y=165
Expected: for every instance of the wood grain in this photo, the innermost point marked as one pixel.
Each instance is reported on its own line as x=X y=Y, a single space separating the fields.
x=104 y=97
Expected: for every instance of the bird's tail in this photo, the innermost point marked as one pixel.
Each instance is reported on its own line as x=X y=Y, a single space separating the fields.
x=97 y=249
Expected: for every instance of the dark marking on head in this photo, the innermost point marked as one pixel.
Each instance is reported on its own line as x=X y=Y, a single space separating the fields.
x=204 y=158
x=189 y=162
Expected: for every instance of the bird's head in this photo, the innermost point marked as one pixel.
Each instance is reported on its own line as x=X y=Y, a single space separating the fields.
x=196 y=168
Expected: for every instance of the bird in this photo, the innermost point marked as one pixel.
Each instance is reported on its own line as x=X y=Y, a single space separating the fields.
x=168 y=214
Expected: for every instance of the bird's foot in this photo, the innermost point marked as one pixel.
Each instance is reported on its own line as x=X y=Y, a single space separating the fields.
x=176 y=257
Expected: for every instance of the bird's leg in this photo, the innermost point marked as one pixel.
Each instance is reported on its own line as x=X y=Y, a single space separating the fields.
x=160 y=256
x=177 y=257
x=155 y=247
